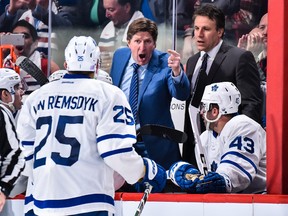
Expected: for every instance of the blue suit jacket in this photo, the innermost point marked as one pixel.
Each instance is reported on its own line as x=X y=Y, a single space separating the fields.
x=154 y=100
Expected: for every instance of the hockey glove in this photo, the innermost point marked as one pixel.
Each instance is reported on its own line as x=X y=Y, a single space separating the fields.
x=212 y=183
x=184 y=175
x=155 y=175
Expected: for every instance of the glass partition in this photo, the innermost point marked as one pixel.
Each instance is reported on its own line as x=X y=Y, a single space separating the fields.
x=106 y=22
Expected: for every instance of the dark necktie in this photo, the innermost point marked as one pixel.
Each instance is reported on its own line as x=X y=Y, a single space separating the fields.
x=200 y=83
x=263 y=65
x=133 y=96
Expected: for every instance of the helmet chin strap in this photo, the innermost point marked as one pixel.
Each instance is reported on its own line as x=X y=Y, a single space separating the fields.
x=10 y=104
x=211 y=121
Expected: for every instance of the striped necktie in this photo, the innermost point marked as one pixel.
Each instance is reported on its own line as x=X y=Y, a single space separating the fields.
x=133 y=96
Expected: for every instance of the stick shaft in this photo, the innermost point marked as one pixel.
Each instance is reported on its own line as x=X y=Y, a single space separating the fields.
x=199 y=150
x=143 y=199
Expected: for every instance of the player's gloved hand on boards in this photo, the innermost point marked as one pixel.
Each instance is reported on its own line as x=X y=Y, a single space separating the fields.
x=213 y=183
x=184 y=175
x=155 y=175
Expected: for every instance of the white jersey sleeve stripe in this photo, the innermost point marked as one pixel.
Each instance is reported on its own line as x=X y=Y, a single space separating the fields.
x=28 y=158
x=113 y=136
x=27 y=143
x=66 y=203
x=239 y=167
x=237 y=154
x=118 y=151
x=28 y=199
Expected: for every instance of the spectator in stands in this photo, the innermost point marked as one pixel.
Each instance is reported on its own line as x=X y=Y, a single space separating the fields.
x=29 y=50
x=159 y=10
x=36 y=13
x=243 y=21
x=160 y=78
x=256 y=42
x=121 y=13
x=97 y=13
x=252 y=42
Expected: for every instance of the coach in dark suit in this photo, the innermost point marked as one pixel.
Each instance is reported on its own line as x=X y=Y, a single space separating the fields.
x=160 y=78
x=224 y=63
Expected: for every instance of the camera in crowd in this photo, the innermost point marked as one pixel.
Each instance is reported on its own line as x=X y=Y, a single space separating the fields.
x=12 y=39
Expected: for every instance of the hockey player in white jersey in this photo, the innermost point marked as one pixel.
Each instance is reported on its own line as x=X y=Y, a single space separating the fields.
x=235 y=147
x=75 y=132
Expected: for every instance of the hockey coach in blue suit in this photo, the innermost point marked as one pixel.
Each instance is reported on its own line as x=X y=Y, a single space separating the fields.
x=160 y=78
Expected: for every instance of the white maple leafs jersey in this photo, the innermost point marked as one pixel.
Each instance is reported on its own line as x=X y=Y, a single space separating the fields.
x=238 y=152
x=74 y=133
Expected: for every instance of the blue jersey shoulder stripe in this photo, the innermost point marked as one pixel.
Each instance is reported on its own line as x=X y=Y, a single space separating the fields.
x=241 y=156
x=118 y=151
x=76 y=201
x=113 y=136
x=239 y=167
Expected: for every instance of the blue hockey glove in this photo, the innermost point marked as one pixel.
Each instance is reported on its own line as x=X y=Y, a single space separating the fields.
x=155 y=175
x=212 y=183
x=184 y=175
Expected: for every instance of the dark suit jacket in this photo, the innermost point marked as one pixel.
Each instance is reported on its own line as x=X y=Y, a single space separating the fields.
x=154 y=100
x=234 y=65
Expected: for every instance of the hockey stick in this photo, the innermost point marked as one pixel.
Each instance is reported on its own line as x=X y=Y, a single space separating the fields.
x=27 y=65
x=167 y=133
x=199 y=150
x=143 y=199
x=163 y=131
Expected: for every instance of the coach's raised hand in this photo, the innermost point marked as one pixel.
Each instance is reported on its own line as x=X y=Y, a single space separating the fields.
x=155 y=175
x=174 y=62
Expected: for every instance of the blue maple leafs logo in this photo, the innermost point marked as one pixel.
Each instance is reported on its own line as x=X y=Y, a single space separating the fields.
x=214 y=166
x=214 y=88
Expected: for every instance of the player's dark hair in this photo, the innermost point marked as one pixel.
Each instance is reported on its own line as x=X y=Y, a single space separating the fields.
x=142 y=25
x=213 y=13
x=25 y=24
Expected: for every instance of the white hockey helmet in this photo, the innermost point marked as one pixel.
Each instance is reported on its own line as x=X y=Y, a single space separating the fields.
x=8 y=79
x=57 y=75
x=103 y=75
x=225 y=95
x=82 y=54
